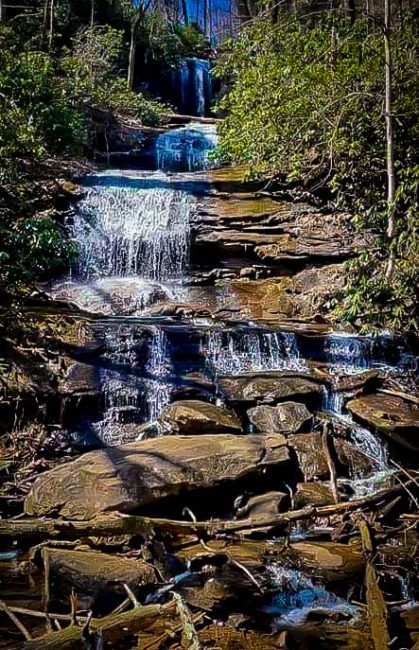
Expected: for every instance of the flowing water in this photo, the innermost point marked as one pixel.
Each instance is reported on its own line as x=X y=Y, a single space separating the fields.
x=191 y=86
x=133 y=231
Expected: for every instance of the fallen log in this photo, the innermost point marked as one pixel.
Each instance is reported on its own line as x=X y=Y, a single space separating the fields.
x=112 y=627
x=177 y=118
x=376 y=606
x=121 y=524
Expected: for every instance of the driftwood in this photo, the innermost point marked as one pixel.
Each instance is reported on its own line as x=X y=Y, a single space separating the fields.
x=328 y=428
x=110 y=525
x=376 y=607
x=112 y=628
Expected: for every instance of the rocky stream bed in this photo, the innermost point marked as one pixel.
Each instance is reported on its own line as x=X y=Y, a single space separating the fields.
x=193 y=455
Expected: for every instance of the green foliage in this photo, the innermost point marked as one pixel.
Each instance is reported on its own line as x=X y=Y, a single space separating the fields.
x=167 y=43
x=36 y=115
x=93 y=71
x=305 y=102
x=45 y=103
x=30 y=249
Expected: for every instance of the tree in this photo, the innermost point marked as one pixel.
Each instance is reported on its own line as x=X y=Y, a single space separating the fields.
x=391 y=176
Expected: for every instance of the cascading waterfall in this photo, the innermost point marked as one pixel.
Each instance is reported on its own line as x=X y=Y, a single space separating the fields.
x=187 y=148
x=123 y=230
x=366 y=441
x=237 y=351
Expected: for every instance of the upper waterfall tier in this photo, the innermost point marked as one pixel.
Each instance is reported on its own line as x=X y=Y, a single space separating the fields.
x=192 y=87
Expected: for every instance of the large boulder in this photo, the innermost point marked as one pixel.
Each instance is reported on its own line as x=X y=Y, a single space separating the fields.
x=390 y=415
x=140 y=473
x=97 y=578
x=285 y=418
x=269 y=386
x=195 y=416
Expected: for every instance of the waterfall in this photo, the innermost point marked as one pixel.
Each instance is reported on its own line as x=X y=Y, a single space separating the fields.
x=187 y=148
x=351 y=353
x=238 y=351
x=191 y=86
x=124 y=229
x=129 y=398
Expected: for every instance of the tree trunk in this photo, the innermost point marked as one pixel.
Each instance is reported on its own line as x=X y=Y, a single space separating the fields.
x=1 y=11
x=206 y=17
x=132 y=50
x=350 y=10
x=391 y=178
x=92 y=13
x=51 y=24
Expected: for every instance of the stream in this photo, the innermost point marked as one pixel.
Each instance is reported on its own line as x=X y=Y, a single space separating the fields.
x=161 y=336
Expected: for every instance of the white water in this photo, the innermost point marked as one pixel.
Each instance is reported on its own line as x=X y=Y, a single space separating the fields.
x=186 y=149
x=191 y=81
x=124 y=229
x=235 y=352
x=298 y=595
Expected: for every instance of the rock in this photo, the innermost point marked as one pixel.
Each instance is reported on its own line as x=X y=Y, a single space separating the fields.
x=140 y=473
x=312 y=494
x=188 y=417
x=333 y=561
x=263 y=505
x=248 y=272
x=354 y=461
x=309 y=451
x=268 y=387
x=301 y=296
x=109 y=296
x=390 y=416
x=286 y=418
x=97 y=578
x=410 y=618
x=80 y=393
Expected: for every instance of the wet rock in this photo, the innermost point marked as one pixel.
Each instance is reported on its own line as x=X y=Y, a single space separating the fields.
x=313 y=494
x=80 y=393
x=179 y=310
x=410 y=618
x=309 y=451
x=248 y=272
x=263 y=505
x=137 y=474
x=188 y=417
x=268 y=387
x=286 y=418
x=390 y=416
x=109 y=296
x=353 y=460
x=97 y=578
